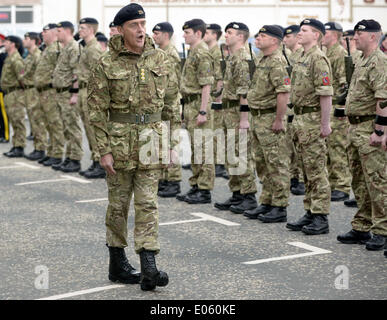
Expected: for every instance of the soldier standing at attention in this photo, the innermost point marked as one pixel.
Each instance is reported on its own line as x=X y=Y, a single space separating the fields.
x=14 y=99
x=126 y=94
x=31 y=95
x=47 y=95
x=196 y=81
x=89 y=56
x=338 y=166
x=234 y=118
x=169 y=185
x=297 y=186
x=213 y=34
x=113 y=29
x=268 y=99
x=311 y=96
x=368 y=119
x=63 y=81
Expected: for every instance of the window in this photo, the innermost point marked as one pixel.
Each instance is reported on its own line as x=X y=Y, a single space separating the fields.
x=5 y=14
x=24 y=14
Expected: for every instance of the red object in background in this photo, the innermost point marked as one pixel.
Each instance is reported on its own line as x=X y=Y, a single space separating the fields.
x=370 y=1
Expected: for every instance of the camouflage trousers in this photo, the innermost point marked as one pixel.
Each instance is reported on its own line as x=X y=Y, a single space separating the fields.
x=14 y=104
x=71 y=125
x=84 y=112
x=53 y=123
x=201 y=137
x=36 y=117
x=338 y=165
x=369 y=180
x=295 y=167
x=143 y=184
x=313 y=152
x=221 y=147
x=271 y=158
x=237 y=159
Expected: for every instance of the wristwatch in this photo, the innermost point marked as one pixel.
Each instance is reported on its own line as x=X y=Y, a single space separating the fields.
x=379 y=133
x=203 y=113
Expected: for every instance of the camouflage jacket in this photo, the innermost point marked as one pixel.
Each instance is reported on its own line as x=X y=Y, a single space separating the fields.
x=236 y=80
x=270 y=78
x=64 y=73
x=216 y=55
x=336 y=55
x=88 y=58
x=294 y=56
x=311 y=78
x=197 y=71
x=30 y=64
x=46 y=66
x=12 y=69
x=128 y=83
x=369 y=82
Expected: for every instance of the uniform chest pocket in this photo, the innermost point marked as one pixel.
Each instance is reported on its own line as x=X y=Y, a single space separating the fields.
x=159 y=76
x=120 y=84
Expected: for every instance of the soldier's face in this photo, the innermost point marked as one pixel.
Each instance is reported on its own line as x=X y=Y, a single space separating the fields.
x=8 y=45
x=209 y=36
x=231 y=36
x=61 y=34
x=265 y=41
x=157 y=37
x=189 y=36
x=308 y=35
x=27 y=42
x=290 y=40
x=328 y=38
x=362 y=39
x=85 y=31
x=133 y=32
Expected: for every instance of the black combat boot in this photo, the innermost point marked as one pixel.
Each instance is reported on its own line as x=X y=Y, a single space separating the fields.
x=72 y=166
x=354 y=236
x=319 y=225
x=294 y=183
x=276 y=214
x=171 y=190
x=43 y=159
x=30 y=137
x=236 y=199
x=377 y=242
x=337 y=195
x=150 y=276
x=194 y=189
x=97 y=173
x=186 y=166
x=304 y=221
x=3 y=140
x=59 y=165
x=162 y=184
x=299 y=189
x=199 y=197
x=352 y=203
x=120 y=269
x=36 y=155
x=261 y=209
x=15 y=152
x=91 y=168
x=53 y=162
x=220 y=170
x=385 y=253
x=249 y=203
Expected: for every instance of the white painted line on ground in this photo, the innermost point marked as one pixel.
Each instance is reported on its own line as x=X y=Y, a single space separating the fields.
x=313 y=251
x=27 y=165
x=214 y=219
x=94 y=200
x=180 y=222
x=82 y=292
x=76 y=179
x=39 y=182
x=9 y=167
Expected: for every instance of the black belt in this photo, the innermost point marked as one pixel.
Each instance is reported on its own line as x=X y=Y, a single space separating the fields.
x=259 y=112
x=60 y=90
x=135 y=118
x=47 y=87
x=191 y=97
x=302 y=110
x=360 y=119
x=290 y=118
x=9 y=90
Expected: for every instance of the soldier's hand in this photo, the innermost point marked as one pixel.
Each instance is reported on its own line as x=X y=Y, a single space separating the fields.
x=375 y=140
x=107 y=162
x=74 y=99
x=278 y=126
x=244 y=124
x=384 y=142
x=325 y=131
x=201 y=120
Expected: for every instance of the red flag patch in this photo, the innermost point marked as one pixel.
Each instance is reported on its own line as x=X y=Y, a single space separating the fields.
x=287 y=81
x=326 y=81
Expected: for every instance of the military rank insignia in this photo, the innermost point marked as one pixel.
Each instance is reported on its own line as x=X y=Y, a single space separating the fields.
x=287 y=81
x=143 y=76
x=325 y=79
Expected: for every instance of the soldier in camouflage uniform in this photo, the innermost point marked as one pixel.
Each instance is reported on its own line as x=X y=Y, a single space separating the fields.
x=14 y=100
x=88 y=58
x=268 y=99
x=338 y=166
x=126 y=95
x=311 y=96
x=213 y=34
x=196 y=81
x=47 y=95
x=63 y=81
x=368 y=162
x=297 y=186
x=34 y=109
x=169 y=185
x=234 y=119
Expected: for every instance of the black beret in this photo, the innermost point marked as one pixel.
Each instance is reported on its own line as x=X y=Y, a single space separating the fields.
x=130 y=12
x=292 y=29
x=88 y=21
x=273 y=31
x=101 y=38
x=368 y=26
x=315 y=24
x=193 y=23
x=163 y=27
x=50 y=26
x=214 y=26
x=32 y=35
x=281 y=27
x=348 y=33
x=112 y=25
x=237 y=26
x=14 y=39
x=65 y=24
x=333 y=26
